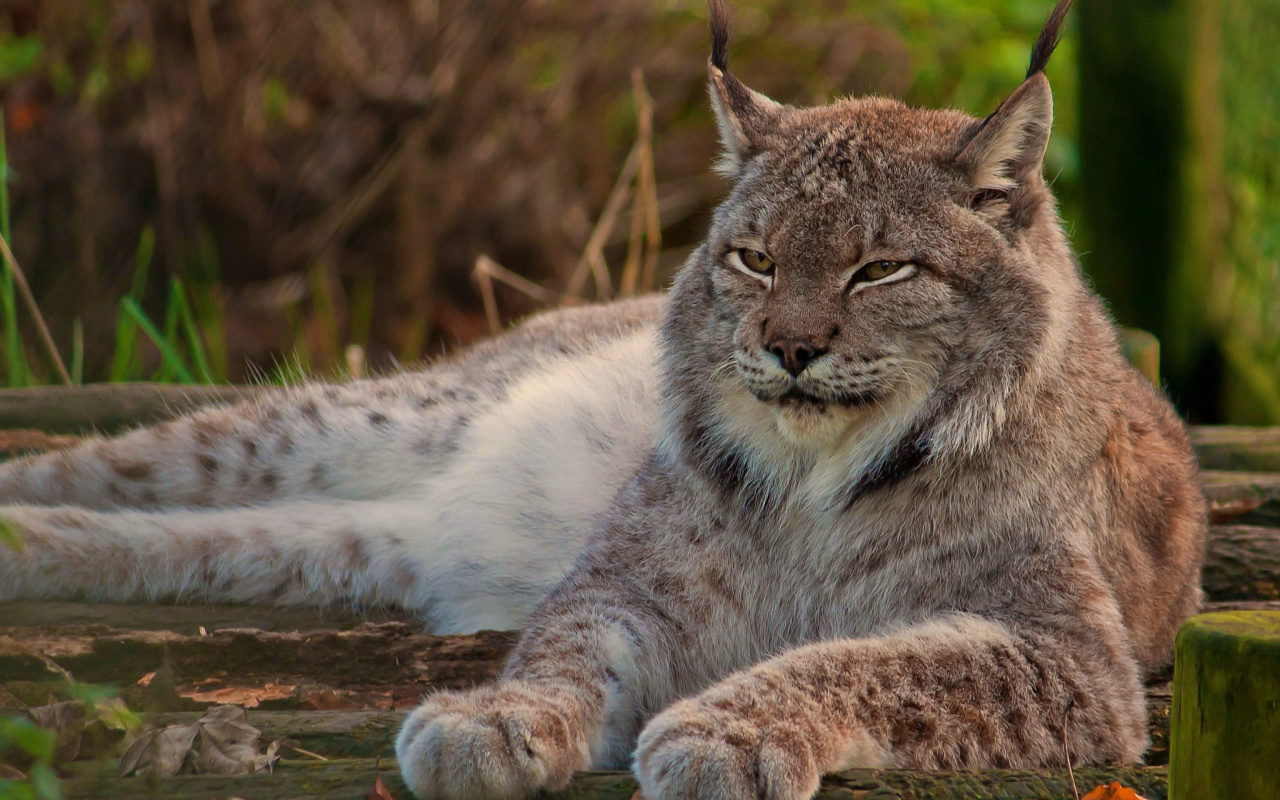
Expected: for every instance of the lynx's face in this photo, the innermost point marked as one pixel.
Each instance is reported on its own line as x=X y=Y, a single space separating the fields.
x=875 y=286
x=837 y=259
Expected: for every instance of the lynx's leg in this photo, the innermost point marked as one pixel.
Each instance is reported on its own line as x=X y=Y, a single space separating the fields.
x=571 y=697
x=964 y=693
x=320 y=553
x=354 y=441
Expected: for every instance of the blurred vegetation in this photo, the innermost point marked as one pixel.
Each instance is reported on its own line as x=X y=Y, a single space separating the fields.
x=213 y=190
x=1180 y=189
x=218 y=191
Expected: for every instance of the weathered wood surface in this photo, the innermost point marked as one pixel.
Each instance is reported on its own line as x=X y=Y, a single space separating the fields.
x=375 y=665
x=106 y=407
x=1226 y=447
x=1242 y=562
x=184 y=619
x=352 y=780
x=1222 y=486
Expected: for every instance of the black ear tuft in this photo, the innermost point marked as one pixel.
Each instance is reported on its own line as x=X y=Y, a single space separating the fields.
x=1048 y=39
x=719 y=34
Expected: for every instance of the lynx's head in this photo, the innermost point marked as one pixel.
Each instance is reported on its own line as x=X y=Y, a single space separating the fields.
x=877 y=286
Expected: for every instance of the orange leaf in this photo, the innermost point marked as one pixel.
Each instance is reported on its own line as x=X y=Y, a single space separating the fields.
x=380 y=790
x=1113 y=792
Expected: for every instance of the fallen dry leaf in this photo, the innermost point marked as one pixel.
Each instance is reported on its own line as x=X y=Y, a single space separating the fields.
x=9 y=772
x=1227 y=510
x=229 y=744
x=160 y=751
x=66 y=720
x=246 y=696
x=380 y=791
x=1114 y=791
x=146 y=680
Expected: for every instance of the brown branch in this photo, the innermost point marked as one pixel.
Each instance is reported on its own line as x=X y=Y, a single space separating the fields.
x=30 y=300
x=592 y=260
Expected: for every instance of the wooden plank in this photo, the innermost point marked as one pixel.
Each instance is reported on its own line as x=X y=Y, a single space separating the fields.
x=1223 y=486
x=1242 y=562
x=107 y=407
x=352 y=780
x=1224 y=447
x=186 y=619
x=380 y=663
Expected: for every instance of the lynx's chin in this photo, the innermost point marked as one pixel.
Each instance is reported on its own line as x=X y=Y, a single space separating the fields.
x=804 y=421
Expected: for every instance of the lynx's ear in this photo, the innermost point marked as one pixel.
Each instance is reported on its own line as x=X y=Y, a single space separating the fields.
x=1007 y=152
x=1005 y=156
x=744 y=116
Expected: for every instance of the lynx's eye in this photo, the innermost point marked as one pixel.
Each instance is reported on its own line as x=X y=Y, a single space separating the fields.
x=879 y=269
x=878 y=272
x=755 y=261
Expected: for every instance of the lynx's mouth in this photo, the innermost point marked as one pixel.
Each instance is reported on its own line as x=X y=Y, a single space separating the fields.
x=795 y=397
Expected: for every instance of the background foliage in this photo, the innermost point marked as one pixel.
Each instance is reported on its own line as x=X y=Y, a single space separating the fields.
x=221 y=189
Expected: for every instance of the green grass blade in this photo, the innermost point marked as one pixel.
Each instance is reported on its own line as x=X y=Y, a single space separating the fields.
x=169 y=358
x=15 y=358
x=4 y=183
x=166 y=373
x=188 y=321
x=125 y=360
x=77 y=352
x=142 y=262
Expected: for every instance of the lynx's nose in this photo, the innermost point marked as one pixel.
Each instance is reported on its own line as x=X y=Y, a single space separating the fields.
x=795 y=353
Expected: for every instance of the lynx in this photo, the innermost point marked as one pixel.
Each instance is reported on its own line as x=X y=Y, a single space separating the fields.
x=871 y=486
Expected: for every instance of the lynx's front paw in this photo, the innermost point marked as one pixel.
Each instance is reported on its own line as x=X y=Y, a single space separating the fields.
x=499 y=742
x=698 y=750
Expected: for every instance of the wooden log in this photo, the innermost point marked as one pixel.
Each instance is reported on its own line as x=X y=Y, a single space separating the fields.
x=107 y=407
x=1226 y=707
x=389 y=653
x=1143 y=351
x=1221 y=486
x=1227 y=447
x=1242 y=562
x=186 y=619
x=352 y=780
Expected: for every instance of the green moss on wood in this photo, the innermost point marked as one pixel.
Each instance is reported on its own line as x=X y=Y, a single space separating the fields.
x=1226 y=707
